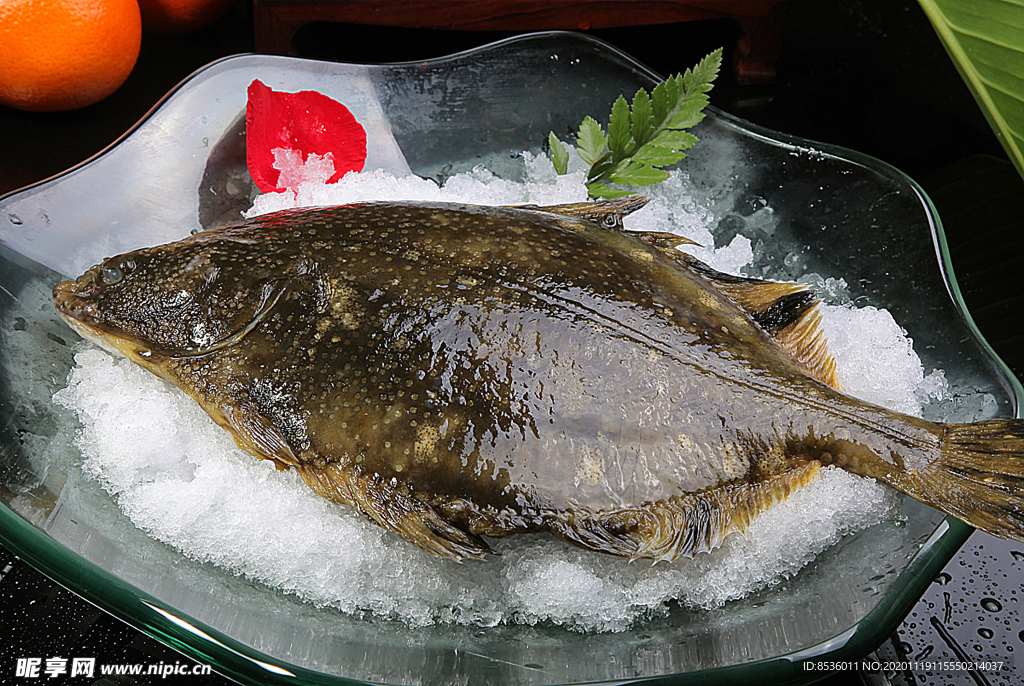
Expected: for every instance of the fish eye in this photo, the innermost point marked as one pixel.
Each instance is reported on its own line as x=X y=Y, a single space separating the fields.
x=111 y=275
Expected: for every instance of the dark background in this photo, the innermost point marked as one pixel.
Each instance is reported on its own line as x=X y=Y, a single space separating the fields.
x=870 y=75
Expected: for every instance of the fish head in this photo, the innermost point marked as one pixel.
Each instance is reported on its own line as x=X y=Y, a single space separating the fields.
x=186 y=298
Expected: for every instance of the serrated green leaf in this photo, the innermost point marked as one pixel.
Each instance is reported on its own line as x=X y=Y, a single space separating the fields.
x=690 y=113
x=601 y=168
x=674 y=139
x=699 y=78
x=666 y=96
x=985 y=39
x=660 y=98
x=636 y=174
x=618 y=130
x=647 y=135
x=591 y=141
x=642 y=119
x=559 y=155
x=601 y=189
x=657 y=157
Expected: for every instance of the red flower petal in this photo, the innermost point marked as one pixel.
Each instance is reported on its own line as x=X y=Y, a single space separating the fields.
x=307 y=122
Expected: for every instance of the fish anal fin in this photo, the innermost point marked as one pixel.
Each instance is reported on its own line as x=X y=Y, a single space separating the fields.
x=388 y=506
x=685 y=525
x=252 y=431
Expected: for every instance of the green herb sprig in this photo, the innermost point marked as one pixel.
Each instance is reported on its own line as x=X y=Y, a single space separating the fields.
x=644 y=137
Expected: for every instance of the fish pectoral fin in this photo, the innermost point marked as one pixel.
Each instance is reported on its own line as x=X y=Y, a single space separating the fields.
x=682 y=526
x=252 y=431
x=384 y=504
x=607 y=213
x=271 y=293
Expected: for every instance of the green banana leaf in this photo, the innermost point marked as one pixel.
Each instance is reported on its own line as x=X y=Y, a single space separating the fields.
x=985 y=38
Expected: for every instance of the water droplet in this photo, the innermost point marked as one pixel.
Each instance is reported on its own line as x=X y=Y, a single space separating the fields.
x=991 y=604
x=15 y=219
x=1017 y=555
x=985 y=632
x=944 y=578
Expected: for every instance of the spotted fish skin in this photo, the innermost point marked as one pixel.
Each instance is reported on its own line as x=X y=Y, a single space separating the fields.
x=455 y=372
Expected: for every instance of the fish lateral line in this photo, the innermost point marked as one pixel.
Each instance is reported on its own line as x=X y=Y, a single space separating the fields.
x=576 y=307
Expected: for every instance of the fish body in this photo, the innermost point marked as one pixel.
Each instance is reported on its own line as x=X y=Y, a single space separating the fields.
x=455 y=372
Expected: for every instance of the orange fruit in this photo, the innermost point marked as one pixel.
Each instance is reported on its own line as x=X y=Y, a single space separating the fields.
x=66 y=54
x=180 y=16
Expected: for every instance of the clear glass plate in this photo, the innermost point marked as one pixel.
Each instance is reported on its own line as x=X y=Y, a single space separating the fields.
x=182 y=168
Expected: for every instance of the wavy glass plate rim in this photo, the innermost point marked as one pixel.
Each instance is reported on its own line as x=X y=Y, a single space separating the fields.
x=246 y=664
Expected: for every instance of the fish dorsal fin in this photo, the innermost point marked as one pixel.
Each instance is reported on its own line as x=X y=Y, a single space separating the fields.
x=789 y=312
x=607 y=213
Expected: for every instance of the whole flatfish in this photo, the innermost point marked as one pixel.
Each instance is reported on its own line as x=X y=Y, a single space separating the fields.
x=455 y=372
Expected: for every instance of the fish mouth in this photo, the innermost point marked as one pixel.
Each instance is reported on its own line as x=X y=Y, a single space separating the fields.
x=76 y=300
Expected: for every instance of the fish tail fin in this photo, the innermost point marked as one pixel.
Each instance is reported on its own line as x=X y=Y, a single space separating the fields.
x=979 y=476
